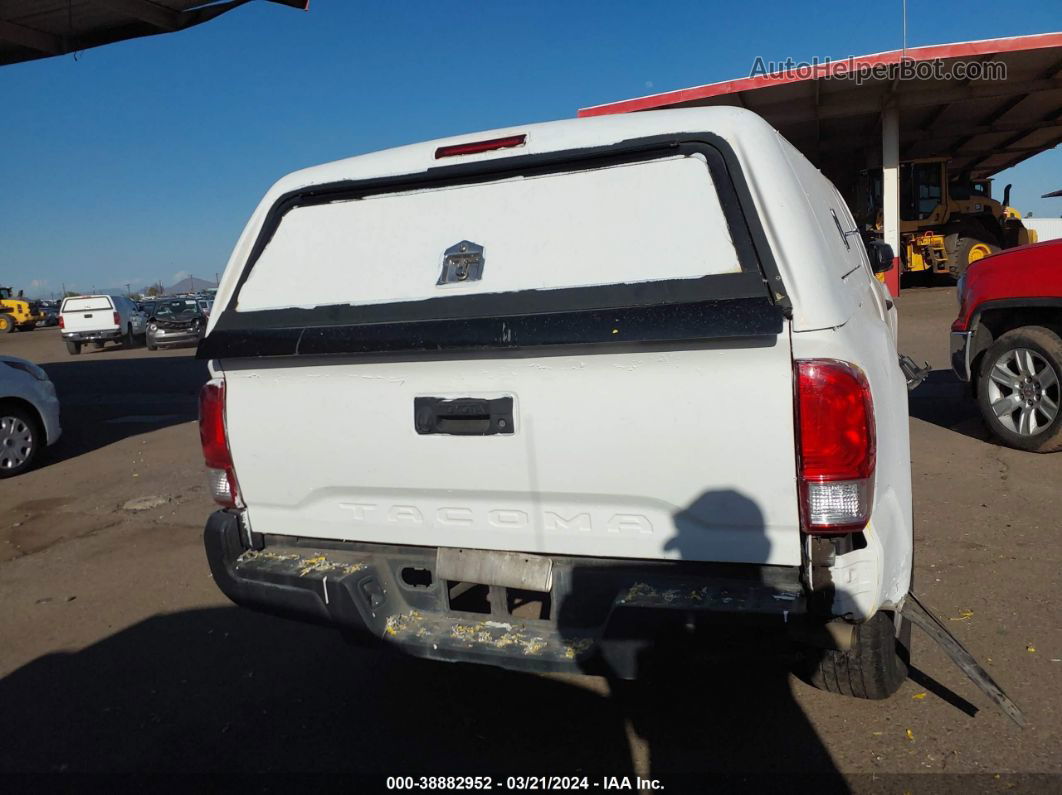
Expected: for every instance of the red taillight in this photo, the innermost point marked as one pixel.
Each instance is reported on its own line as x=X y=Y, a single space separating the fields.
x=214 y=438
x=835 y=417
x=480 y=146
x=117 y=319
x=62 y=323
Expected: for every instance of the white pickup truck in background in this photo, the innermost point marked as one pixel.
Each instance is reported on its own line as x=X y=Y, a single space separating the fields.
x=565 y=395
x=99 y=319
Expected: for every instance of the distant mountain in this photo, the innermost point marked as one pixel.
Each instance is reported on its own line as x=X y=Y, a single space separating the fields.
x=190 y=285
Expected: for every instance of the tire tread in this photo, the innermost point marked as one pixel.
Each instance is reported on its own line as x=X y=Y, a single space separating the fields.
x=871 y=669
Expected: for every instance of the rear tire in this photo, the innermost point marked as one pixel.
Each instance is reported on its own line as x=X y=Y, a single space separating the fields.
x=996 y=393
x=872 y=669
x=73 y=348
x=7 y=324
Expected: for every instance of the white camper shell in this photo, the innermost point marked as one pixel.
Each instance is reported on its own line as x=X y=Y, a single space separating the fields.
x=540 y=379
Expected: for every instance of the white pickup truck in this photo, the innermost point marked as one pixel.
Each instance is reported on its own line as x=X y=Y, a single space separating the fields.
x=100 y=319
x=557 y=396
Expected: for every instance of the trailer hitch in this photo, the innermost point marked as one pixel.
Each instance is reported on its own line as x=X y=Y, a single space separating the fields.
x=914 y=611
x=914 y=374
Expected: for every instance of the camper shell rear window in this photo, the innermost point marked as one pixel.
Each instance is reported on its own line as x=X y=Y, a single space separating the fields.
x=645 y=241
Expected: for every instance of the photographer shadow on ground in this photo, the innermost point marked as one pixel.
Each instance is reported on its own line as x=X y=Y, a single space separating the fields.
x=713 y=699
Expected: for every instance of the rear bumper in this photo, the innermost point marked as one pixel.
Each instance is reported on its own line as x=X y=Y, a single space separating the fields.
x=601 y=616
x=93 y=336
x=960 y=354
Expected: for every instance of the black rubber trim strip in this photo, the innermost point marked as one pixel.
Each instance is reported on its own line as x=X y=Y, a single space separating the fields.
x=272 y=332
x=736 y=317
x=520 y=302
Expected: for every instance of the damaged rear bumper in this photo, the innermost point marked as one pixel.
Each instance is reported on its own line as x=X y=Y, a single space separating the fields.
x=106 y=335
x=600 y=616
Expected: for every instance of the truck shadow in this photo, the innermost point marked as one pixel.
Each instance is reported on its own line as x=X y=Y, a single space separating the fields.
x=226 y=690
x=713 y=698
x=942 y=399
x=105 y=400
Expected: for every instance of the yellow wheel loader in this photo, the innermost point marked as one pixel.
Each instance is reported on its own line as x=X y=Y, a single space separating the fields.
x=17 y=313
x=947 y=222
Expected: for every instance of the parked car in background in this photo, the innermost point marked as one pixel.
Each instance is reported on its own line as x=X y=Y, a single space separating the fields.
x=29 y=415
x=1007 y=343
x=206 y=304
x=147 y=307
x=99 y=319
x=540 y=462
x=176 y=321
x=50 y=316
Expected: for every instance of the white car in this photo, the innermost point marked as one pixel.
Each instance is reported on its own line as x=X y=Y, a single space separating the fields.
x=99 y=319
x=558 y=396
x=29 y=415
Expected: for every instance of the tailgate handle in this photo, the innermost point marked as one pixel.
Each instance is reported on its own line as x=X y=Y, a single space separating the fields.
x=463 y=416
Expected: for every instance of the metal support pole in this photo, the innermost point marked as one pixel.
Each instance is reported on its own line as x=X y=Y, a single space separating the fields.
x=890 y=190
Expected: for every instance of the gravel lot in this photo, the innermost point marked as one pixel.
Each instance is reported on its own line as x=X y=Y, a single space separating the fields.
x=118 y=652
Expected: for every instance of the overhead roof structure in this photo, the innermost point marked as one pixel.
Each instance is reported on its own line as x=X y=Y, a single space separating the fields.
x=31 y=29
x=982 y=125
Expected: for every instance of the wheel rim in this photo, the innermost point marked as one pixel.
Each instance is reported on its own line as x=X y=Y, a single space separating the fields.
x=1023 y=392
x=16 y=442
x=978 y=251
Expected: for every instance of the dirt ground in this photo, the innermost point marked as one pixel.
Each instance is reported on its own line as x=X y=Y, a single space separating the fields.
x=118 y=653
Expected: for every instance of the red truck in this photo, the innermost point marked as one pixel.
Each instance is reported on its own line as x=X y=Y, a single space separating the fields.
x=1007 y=343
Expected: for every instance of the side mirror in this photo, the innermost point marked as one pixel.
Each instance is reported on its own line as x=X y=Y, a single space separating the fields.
x=880 y=254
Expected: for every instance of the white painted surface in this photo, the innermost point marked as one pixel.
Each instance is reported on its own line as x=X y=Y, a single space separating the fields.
x=1046 y=228
x=638 y=454
x=762 y=151
x=890 y=176
x=678 y=452
x=654 y=220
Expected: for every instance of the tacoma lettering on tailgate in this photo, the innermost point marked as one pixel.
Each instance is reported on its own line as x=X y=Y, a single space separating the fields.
x=500 y=518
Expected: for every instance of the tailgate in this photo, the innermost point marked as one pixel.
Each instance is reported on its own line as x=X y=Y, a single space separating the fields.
x=94 y=313
x=608 y=377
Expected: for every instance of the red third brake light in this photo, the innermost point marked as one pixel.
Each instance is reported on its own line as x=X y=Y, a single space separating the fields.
x=480 y=146
x=214 y=438
x=835 y=415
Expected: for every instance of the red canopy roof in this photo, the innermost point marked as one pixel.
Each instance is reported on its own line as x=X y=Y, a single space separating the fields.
x=983 y=126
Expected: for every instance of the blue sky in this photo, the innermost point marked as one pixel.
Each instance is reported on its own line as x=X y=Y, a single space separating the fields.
x=141 y=161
